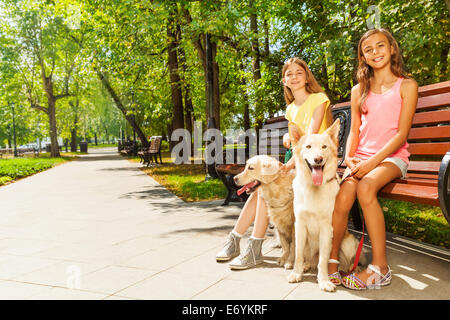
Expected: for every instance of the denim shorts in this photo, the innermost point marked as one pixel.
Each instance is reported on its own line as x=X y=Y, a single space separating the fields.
x=402 y=165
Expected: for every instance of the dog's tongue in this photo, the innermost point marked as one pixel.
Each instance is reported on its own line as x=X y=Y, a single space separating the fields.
x=248 y=186
x=317 y=175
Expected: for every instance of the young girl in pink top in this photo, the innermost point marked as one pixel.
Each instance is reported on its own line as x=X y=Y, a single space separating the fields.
x=382 y=108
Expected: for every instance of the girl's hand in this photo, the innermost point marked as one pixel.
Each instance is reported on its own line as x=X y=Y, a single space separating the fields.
x=351 y=162
x=286 y=141
x=362 y=168
x=283 y=169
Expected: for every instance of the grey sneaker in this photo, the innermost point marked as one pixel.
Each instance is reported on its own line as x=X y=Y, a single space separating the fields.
x=231 y=248
x=251 y=257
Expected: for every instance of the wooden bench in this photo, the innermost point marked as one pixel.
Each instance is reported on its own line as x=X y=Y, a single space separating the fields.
x=127 y=148
x=24 y=151
x=152 y=152
x=271 y=135
x=6 y=151
x=427 y=180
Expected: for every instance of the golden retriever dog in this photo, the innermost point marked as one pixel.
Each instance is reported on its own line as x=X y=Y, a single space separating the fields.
x=315 y=189
x=261 y=174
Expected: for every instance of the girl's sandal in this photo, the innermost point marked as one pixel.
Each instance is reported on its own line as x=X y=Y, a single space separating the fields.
x=351 y=281
x=335 y=277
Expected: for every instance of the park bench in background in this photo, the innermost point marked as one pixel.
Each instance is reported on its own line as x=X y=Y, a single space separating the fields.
x=152 y=152
x=271 y=134
x=25 y=151
x=6 y=151
x=20 y=152
x=428 y=179
x=127 y=148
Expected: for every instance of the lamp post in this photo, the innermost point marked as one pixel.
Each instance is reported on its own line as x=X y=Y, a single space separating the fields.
x=14 y=128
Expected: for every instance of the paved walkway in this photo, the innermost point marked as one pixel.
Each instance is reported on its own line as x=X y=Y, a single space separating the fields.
x=99 y=228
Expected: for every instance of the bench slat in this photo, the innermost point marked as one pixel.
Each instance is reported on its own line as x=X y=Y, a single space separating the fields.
x=424 y=103
x=435 y=88
x=424 y=166
x=431 y=148
x=422 y=176
x=417 y=181
x=412 y=193
x=431 y=117
x=442 y=132
x=276 y=125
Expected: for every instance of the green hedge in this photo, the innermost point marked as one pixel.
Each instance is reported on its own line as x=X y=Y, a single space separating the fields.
x=11 y=169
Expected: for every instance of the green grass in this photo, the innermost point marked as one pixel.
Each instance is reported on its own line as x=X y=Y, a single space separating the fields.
x=16 y=168
x=101 y=145
x=186 y=181
x=420 y=222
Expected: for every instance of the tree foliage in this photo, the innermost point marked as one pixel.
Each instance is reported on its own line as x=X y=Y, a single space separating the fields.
x=110 y=67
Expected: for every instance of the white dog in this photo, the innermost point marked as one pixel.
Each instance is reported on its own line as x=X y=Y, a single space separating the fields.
x=315 y=189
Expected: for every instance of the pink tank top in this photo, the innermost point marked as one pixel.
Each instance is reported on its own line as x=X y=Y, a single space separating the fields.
x=380 y=123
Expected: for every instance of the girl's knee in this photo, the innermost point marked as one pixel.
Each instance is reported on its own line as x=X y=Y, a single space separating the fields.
x=365 y=192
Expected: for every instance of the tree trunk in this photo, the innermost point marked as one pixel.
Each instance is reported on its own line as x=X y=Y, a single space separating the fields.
x=444 y=54
x=197 y=42
x=122 y=108
x=216 y=87
x=175 y=81
x=188 y=107
x=73 y=132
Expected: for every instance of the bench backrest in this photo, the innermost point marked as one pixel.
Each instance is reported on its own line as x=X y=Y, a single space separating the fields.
x=271 y=137
x=429 y=137
x=155 y=144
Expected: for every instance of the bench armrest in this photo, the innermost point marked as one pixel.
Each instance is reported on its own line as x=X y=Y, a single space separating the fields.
x=444 y=185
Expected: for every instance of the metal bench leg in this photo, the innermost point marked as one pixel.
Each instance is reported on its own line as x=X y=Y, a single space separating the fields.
x=444 y=186
x=230 y=190
x=356 y=217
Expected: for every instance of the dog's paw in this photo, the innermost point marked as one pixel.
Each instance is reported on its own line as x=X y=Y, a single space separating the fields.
x=288 y=265
x=327 y=286
x=294 y=277
x=281 y=261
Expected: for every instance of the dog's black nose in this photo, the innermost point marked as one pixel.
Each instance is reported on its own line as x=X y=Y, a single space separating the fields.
x=318 y=160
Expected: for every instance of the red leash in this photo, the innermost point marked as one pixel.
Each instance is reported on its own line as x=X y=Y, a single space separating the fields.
x=359 y=250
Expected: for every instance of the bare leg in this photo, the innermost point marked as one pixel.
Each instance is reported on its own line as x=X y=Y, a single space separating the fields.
x=344 y=202
x=367 y=191
x=261 y=220
x=247 y=215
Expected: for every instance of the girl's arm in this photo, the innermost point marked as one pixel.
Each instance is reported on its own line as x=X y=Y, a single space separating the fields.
x=317 y=118
x=409 y=93
x=353 y=137
x=314 y=126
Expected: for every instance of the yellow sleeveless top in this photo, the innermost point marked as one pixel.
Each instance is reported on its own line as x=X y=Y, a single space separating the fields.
x=302 y=115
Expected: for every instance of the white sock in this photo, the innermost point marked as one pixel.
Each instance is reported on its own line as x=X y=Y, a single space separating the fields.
x=236 y=234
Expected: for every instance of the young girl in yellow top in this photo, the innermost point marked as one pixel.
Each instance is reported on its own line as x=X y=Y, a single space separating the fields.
x=308 y=107
x=382 y=108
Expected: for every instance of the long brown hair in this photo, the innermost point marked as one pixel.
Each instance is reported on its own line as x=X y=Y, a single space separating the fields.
x=365 y=72
x=312 y=86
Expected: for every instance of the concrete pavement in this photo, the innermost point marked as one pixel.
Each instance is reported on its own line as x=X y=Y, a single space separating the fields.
x=99 y=228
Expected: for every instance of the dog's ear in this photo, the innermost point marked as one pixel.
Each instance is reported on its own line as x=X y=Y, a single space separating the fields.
x=295 y=133
x=333 y=131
